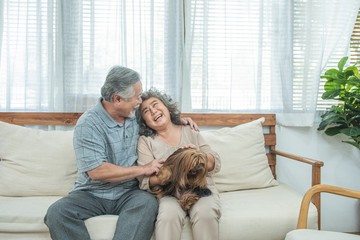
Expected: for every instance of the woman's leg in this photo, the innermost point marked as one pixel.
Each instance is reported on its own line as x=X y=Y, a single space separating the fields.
x=204 y=218
x=170 y=219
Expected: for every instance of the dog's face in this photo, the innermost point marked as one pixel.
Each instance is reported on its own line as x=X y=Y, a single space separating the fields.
x=191 y=167
x=183 y=176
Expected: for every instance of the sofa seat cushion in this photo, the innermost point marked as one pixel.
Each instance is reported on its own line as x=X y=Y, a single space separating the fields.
x=267 y=213
x=103 y=228
x=310 y=234
x=24 y=214
x=23 y=218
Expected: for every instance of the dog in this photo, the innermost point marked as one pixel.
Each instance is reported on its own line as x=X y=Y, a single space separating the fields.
x=183 y=176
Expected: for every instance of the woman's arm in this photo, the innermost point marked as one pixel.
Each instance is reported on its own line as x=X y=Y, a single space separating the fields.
x=145 y=156
x=214 y=161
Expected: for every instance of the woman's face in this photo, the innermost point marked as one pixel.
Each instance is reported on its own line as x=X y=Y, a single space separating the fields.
x=155 y=113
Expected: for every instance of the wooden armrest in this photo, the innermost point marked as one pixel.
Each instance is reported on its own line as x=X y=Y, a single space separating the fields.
x=302 y=221
x=315 y=179
x=300 y=159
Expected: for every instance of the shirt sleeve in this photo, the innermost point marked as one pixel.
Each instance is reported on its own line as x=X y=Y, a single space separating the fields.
x=144 y=157
x=89 y=148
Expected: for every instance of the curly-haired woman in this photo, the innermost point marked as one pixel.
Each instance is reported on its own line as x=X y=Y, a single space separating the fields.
x=162 y=134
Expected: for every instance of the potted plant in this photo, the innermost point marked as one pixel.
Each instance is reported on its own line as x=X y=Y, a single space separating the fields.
x=343 y=85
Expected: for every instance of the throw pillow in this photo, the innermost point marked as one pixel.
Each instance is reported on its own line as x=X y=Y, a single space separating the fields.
x=35 y=162
x=244 y=164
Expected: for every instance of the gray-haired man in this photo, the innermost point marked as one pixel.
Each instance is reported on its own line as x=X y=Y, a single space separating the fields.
x=105 y=141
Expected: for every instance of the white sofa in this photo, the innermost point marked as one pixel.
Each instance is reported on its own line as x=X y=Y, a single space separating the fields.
x=38 y=167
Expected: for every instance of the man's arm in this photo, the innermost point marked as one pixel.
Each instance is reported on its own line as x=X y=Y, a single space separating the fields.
x=191 y=123
x=108 y=172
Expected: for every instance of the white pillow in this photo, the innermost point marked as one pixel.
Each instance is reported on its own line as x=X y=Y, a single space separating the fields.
x=36 y=162
x=244 y=164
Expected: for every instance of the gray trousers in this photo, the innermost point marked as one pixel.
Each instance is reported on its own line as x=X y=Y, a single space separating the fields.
x=137 y=212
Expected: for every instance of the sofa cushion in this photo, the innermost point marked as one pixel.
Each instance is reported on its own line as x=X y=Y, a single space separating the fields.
x=24 y=214
x=244 y=164
x=265 y=213
x=257 y=214
x=35 y=162
x=311 y=234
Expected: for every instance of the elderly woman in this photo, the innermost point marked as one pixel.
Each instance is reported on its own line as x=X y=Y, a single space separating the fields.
x=161 y=134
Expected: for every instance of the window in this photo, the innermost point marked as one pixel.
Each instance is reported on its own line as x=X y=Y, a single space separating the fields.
x=210 y=55
x=26 y=47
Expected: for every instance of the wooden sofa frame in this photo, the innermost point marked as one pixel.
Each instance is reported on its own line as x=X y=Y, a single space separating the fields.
x=202 y=119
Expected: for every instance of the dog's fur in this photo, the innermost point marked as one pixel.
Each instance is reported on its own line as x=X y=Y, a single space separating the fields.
x=183 y=176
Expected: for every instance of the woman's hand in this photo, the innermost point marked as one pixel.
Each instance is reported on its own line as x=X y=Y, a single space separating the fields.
x=189 y=146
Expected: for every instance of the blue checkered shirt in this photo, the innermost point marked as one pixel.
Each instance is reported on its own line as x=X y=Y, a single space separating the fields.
x=98 y=139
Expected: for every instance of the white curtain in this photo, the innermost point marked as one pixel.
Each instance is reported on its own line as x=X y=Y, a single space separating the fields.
x=263 y=56
x=55 y=54
x=255 y=56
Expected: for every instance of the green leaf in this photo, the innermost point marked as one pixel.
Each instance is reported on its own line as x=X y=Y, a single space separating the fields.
x=330 y=94
x=357 y=145
x=351 y=132
x=333 y=131
x=330 y=74
x=342 y=62
x=331 y=71
x=351 y=71
x=354 y=117
x=332 y=85
x=356 y=63
x=341 y=76
x=327 y=121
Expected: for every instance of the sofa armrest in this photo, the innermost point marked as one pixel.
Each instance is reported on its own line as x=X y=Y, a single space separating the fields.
x=315 y=179
x=316 y=190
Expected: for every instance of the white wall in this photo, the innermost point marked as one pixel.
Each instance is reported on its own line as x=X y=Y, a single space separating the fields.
x=341 y=168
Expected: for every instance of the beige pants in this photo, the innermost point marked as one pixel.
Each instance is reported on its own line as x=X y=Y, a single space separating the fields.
x=204 y=218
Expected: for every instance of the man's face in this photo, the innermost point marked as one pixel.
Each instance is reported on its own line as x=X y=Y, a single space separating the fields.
x=129 y=105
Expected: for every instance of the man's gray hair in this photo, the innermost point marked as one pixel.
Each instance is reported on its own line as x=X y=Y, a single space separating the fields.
x=119 y=81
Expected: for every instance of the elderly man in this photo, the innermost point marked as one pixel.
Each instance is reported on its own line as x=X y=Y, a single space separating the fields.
x=105 y=141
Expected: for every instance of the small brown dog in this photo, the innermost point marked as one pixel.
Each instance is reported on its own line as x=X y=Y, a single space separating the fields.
x=183 y=176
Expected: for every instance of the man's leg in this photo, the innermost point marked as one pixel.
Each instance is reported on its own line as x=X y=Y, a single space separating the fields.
x=137 y=212
x=65 y=218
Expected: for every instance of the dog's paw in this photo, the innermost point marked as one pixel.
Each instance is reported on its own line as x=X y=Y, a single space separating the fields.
x=187 y=200
x=202 y=192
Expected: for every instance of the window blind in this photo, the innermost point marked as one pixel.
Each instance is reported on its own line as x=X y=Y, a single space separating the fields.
x=27 y=47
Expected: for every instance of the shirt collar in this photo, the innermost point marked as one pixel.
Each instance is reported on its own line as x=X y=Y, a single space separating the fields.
x=108 y=120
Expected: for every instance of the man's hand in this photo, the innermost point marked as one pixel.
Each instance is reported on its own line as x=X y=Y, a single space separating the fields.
x=153 y=166
x=191 y=123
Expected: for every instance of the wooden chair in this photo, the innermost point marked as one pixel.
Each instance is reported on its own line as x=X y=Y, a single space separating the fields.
x=301 y=233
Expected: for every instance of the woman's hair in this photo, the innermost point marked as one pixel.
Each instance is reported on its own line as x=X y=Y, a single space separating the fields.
x=169 y=104
x=120 y=81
